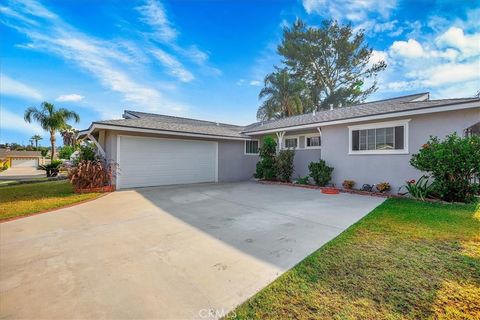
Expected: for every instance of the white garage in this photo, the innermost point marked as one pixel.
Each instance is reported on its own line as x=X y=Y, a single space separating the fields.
x=24 y=162
x=146 y=161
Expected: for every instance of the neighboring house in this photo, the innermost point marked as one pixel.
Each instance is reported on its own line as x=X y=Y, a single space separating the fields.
x=15 y=159
x=368 y=143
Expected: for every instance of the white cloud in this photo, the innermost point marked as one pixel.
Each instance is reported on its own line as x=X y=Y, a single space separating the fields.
x=255 y=83
x=447 y=62
x=408 y=49
x=11 y=87
x=175 y=68
x=378 y=56
x=153 y=13
x=468 y=45
x=70 y=98
x=101 y=59
x=14 y=122
x=353 y=10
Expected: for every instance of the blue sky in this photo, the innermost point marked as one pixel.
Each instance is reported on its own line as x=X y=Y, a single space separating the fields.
x=207 y=59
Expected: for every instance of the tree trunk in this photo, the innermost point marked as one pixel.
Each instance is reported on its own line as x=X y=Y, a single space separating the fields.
x=52 y=141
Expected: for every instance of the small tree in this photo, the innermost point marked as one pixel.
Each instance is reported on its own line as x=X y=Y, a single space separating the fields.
x=453 y=163
x=320 y=172
x=266 y=168
x=284 y=164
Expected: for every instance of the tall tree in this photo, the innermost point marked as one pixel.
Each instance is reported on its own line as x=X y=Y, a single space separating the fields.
x=333 y=60
x=51 y=119
x=36 y=138
x=283 y=96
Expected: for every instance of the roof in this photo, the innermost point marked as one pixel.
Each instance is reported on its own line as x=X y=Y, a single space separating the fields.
x=177 y=124
x=4 y=153
x=382 y=107
x=172 y=124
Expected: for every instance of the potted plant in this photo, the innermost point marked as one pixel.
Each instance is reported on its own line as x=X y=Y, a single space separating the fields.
x=348 y=184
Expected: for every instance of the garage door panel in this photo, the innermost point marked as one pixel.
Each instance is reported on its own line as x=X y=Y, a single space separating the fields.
x=24 y=162
x=150 y=162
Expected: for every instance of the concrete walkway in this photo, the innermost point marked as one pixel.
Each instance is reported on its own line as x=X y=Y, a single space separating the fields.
x=166 y=253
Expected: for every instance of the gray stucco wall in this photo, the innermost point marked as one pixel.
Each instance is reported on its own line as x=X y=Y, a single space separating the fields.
x=392 y=168
x=233 y=164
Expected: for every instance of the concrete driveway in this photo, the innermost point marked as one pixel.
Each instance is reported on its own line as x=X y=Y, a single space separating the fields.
x=21 y=173
x=170 y=252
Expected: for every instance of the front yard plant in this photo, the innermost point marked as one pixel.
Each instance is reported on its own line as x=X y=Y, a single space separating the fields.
x=23 y=199
x=320 y=172
x=407 y=259
x=266 y=168
x=348 y=184
x=454 y=163
x=92 y=174
x=284 y=164
x=420 y=189
x=383 y=187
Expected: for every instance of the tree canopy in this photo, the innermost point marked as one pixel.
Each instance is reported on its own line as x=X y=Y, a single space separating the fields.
x=333 y=63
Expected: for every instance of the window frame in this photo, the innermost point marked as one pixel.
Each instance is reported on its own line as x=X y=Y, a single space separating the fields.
x=284 y=140
x=245 y=148
x=313 y=135
x=380 y=125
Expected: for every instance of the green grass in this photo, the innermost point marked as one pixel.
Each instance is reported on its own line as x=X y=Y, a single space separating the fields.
x=405 y=260
x=22 y=199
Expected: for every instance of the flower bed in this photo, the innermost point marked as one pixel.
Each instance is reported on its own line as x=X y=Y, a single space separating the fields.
x=103 y=189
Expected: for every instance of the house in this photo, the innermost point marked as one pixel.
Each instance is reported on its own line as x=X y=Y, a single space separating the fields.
x=369 y=143
x=20 y=158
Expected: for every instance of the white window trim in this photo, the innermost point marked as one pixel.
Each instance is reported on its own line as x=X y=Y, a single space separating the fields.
x=313 y=135
x=245 y=148
x=291 y=137
x=378 y=125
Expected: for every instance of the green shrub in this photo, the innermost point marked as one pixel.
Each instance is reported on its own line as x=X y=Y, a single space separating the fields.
x=65 y=152
x=320 y=172
x=266 y=166
x=303 y=180
x=284 y=165
x=259 y=170
x=420 y=189
x=52 y=168
x=86 y=153
x=453 y=163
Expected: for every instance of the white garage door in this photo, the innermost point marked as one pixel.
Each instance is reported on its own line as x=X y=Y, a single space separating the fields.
x=147 y=162
x=24 y=162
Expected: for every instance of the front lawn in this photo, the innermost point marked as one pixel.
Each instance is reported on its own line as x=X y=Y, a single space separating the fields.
x=405 y=260
x=22 y=199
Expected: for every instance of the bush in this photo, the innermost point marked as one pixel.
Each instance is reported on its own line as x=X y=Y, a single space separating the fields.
x=52 y=168
x=284 y=165
x=65 y=152
x=266 y=166
x=320 y=172
x=420 y=189
x=454 y=163
x=383 y=187
x=92 y=174
x=303 y=180
x=348 y=184
x=259 y=170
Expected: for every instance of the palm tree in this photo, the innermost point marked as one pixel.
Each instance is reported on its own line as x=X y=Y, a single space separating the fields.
x=50 y=119
x=284 y=96
x=69 y=135
x=36 y=138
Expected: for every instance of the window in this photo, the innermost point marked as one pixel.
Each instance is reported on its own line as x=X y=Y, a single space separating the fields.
x=251 y=147
x=378 y=138
x=313 y=141
x=291 y=143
